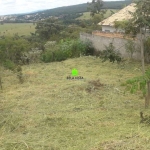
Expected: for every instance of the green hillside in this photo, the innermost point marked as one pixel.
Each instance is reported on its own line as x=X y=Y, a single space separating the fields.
x=86 y=15
x=82 y=8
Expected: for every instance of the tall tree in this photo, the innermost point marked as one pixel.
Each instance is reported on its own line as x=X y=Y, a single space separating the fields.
x=141 y=20
x=11 y=49
x=48 y=28
x=95 y=7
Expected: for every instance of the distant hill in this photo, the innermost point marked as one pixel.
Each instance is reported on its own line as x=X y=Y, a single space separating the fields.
x=81 y=8
x=67 y=12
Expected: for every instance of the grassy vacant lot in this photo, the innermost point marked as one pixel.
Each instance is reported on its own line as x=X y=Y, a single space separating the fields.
x=20 y=28
x=49 y=112
x=87 y=16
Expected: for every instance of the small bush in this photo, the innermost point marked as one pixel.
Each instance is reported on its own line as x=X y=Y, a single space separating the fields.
x=67 y=49
x=77 y=48
x=130 y=48
x=60 y=55
x=48 y=56
x=110 y=54
x=90 y=50
x=54 y=56
x=8 y=64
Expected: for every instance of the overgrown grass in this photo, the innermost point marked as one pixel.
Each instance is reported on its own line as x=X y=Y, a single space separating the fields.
x=49 y=112
x=20 y=28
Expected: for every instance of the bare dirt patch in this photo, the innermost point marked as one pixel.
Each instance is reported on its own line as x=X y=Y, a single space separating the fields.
x=94 y=85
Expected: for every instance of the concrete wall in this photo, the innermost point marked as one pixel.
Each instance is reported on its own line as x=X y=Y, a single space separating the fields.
x=110 y=29
x=99 y=43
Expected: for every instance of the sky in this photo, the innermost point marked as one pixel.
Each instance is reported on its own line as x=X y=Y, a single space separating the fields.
x=23 y=6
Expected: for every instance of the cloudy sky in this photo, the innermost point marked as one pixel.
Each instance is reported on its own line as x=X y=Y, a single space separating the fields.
x=22 y=6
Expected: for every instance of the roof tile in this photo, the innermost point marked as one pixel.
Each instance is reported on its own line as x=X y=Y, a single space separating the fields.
x=123 y=14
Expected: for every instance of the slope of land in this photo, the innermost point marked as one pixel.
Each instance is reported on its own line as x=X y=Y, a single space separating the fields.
x=86 y=15
x=50 y=112
x=60 y=12
x=83 y=8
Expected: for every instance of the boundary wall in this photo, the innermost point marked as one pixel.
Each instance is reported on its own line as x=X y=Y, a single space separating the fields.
x=99 y=42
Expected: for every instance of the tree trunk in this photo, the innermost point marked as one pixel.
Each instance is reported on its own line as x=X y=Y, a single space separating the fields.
x=142 y=52
x=147 y=98
x=1 y=83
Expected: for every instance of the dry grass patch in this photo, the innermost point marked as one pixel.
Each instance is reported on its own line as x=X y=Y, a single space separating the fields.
x=20 y=28
x=49 y=112
x=137 y=142
x=94 y=85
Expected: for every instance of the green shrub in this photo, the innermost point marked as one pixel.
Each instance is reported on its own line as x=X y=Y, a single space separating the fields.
x=67 y=49
x=60 y=55
x=78 y=48
x=12 y=49
x=89 y=49
x=54 y=56
x=110 y=54
x=8 y=64
x=130 y=47
x=47 y=57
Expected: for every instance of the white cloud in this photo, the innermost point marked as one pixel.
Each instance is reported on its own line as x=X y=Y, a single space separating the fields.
x=22 y=6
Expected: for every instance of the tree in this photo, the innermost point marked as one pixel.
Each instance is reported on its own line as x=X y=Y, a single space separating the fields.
x=128 y=26
x=147 y=49
x=141 y=21
x=98 y=18
x=11 y=50
x=95 y=7
x=35 y=41
x=130 y=47
x=48 y=28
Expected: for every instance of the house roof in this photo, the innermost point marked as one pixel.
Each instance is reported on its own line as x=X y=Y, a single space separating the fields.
x=123 y=14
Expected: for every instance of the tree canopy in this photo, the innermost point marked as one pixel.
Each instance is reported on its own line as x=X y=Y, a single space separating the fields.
x=48 y=28
x=11 y=49
x=95 y=7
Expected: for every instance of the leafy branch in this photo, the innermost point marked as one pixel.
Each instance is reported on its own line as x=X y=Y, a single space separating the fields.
x=139 y=83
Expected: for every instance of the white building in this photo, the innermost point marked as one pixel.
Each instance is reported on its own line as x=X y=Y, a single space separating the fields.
x=123 y=14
